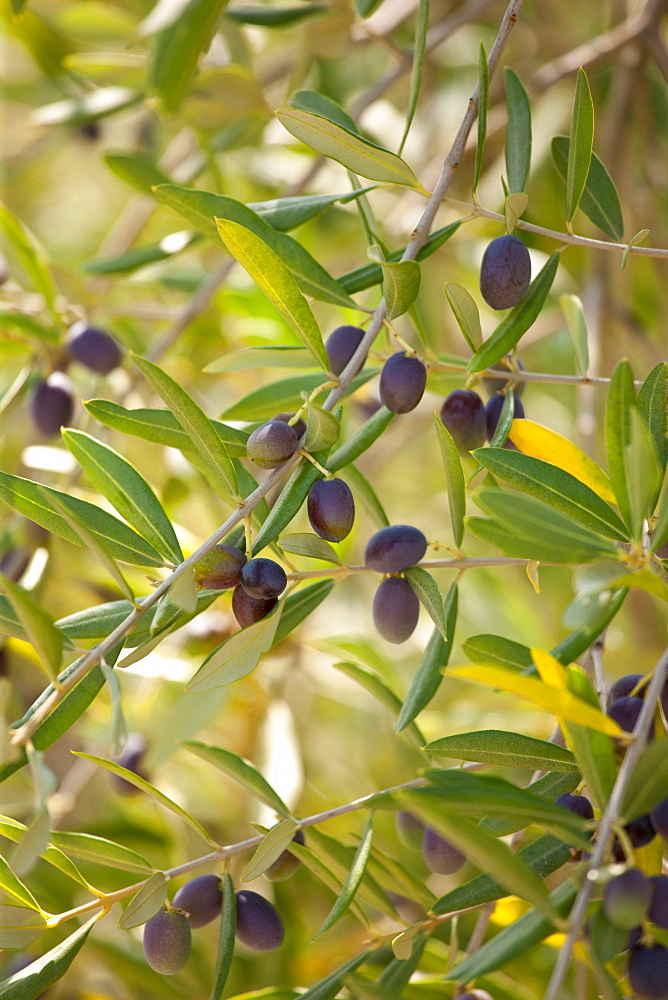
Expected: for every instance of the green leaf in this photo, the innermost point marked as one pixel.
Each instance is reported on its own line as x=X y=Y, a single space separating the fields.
x=225 y=939
x=495 y=650
x=162 y=427
x=145 y=903
x=518 y=132
x=429 y=674
x=242 y=771
x=483 y=95
x=549 y=787
x=275 y=356
x=145 y=786
x=401 y=282
x=426 y=589
x=304 y=543
x=360 y=441
x=633 y=242
x=514 y=207
x=175 y=50
x=495 y=746
x=88 y=106
x=152 y=253
x=519 y=319
x=139 y=170
x=273 y=18
x=366 y=493
x=320 y=104
x=643 y=473
x=621 y=397
x=99 y=850
x=237 y=656
x=19 y=927
x=126 y=489
x=580 y=145
x=30 y=256
x=299 y=606
x=271 y=848
x=348 y=148
x=14 y=887
x=376 y=686
x=197 y=425
x=278 y=284
x=33 y=981
x=421 y=26
x=573 y=310
x=317 y=867
x=647 y=786
x=322 y=428
x=352 y=883
x=202 y=208
x=466 y=313
x=652 y=406
x=288 y=505
x=284 y=395
x=331 y=985
x=289 y=213
x=40 y=629
x=593 y=751
x=554 y=487
x=455 y=480
x=600 y=201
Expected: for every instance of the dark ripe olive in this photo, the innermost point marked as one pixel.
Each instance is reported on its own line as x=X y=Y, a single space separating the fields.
x=493 y=412
x=200 y=899
x=396 y=609
x=248 y=610
x=494 y=385
x=263 y=579
x=658 y=908
x=341 y=345
x=659 y=819
x=395 y=548
x=131 y=757
x=299 y=428
x=578 y=804
x=410 y=829
x=271 y=444
x=648 y=972
x=286 y=864
x=625 y=711
x=92 y=347
x=505 y=272
x=331 y=509
x=439 y=854
x=402 y=382
x=626 y=898
x=463 y=415
x=259 y=924
x=52 y=403
x=623 y=687
x=167 y=942
x=640 y=831
x=220 y=568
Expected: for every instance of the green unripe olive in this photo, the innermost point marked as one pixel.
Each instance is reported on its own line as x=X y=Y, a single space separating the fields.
x=167 y=941
x=272 y=444
x=220 y=568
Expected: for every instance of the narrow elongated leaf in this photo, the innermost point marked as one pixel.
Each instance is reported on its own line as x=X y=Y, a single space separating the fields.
x=648 y=783
x=652 y=406
x=426 y=589
x=593 y=750
x=288 y=213
x=161 y=426
x=580 y=145
x=317 y=103
x=643 y=472
x=421 y=25
x=553 y=486
x=573 y=310
x=126 y=489
x=330 y=986
x=324 y=874
x=277 y=282
x=139 y=170
x=483 y=96
x=92 y=105
x=240 y=770
x=237 y=656
x=35 y=979
x=401 y=282
x=30 y=256
x=366 y=493
x=466 y=313
x=352 y=883
x=153 y=253
x=12 y=885
x=375 y=685
x=360 y=441
x=177 y=48
x=600 y=201
x=228 y=922
x=518 y=132
x=19 y=927
x=303 y=543
x=544 y=443
x=145 y=903
x=518 y=320
x=455 y=479
x=271 y=848
x=272 y=17
x=276 y=356
x=284 y=395
x=494 y=746
x=99 y=850
x=197 y=425
x=39 y=628
x=371 y=274
x=322 y=428
x=145 y=786
x=621 y=397
x=496 y=651
x=351 y=150
x=340 y=858
x=549 y=787
x=299 y=606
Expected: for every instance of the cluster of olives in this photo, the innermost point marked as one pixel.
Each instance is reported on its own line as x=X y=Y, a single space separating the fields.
x=470 y=421
x=52 y=400
x=625 y=700
x=395 y=605
x=257 y=583
x=440 y=856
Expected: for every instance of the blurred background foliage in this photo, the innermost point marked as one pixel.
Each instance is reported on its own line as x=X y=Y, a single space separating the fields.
x=80 y=88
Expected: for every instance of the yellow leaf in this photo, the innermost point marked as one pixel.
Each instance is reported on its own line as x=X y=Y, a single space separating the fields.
x=550 y=670
x=532 y=573
x=551 y=699
x=541 y=442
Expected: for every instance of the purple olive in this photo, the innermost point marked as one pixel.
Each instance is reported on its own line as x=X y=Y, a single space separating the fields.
x=167 y=941
x=200 y=899
x=505 y=272
x=259 y=924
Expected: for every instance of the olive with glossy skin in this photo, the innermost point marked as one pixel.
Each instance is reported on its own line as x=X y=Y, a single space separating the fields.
x=200 y=899
x=496 y=385
x=625 y=711
x=341 y=345
x=286 y=864
x=493 y=413
x=92 y=347
x=626 y=898
x=640 y=832
x=578 y=804
x=623 y=687
x=395 y=548
x=396 y=609
x=248 y=610
x=331 y=509
x=271 y=444
x=402 y=382
x=220 y=568
x=648 y=972
x=658 y=907
x=463 y=416
x=131 y=757
x=439 y=854
x=285 y=418
x=263 y=579
x=659 y=819
x=505 y=272
x=259 y=924
x=167 y=941
x=52 y=403
x=410 y=829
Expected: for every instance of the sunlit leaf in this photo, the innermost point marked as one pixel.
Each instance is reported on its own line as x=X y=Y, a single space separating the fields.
x=33 y=980
x=145 y=903
x=580 y=145
x=495 y=746
x=573 y=310
x=455 y=480
x=600 y=201
x=483 y=95
x=237 y=656
x=240 y=770
x=544 y=443
x=353 y=880
x=466 y=313
x=39 y=628
x=518 y=132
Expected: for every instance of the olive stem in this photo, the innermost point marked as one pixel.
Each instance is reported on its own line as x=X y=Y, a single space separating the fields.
x=461 y=564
